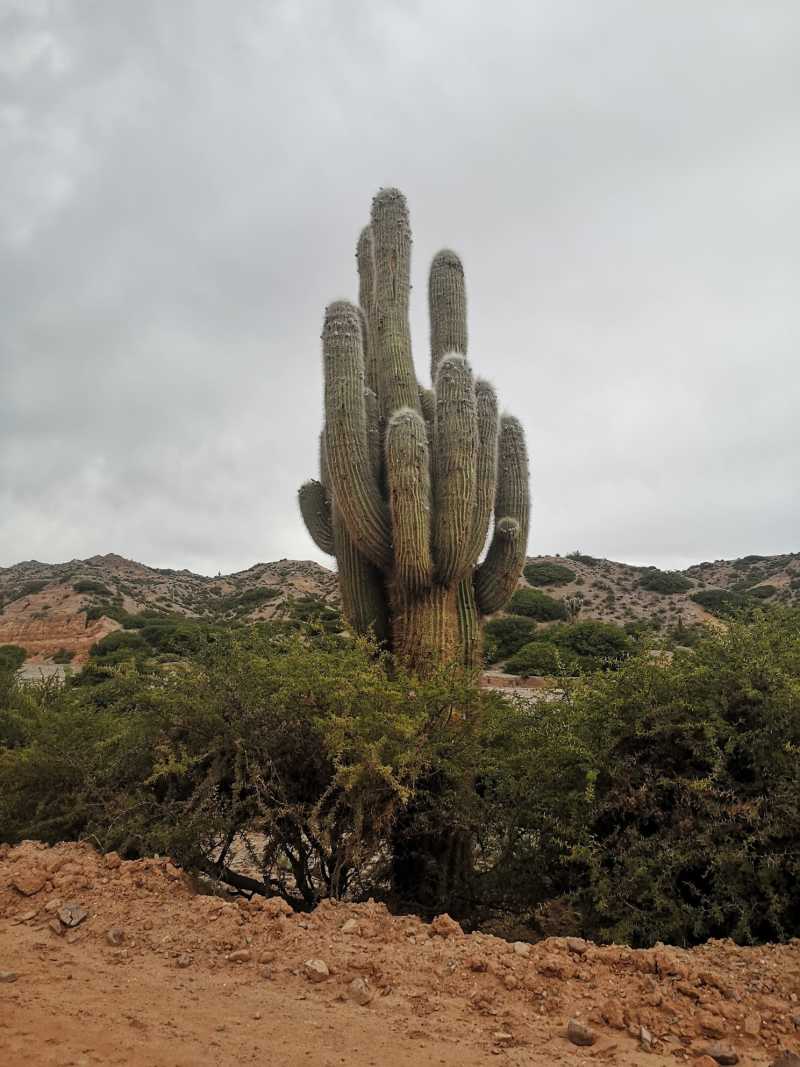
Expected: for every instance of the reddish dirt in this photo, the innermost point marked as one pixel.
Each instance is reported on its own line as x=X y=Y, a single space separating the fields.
x=157 y=974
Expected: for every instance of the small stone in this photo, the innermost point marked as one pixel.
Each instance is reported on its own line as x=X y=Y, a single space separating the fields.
x=510 y=981
x=172 y=871
x=29 y=883
x=645 y=1038
x=350 y=927
x=183 y=961
x=56 y=927
x=241 y=955
x=577 y=945
x=613 y=1014
x=52 y=905
x=24 y=918
x=72 y=914
x=316 y=970
x=475 y=963
x=8 y=976
x=710 y=1025
x=725 y=1055
x=444 y=926
x=360 y=992
x=752 y=1025
x=521 y=948
x=115 y=936
x=275 y=906
x=503 y=1037
x=112 y=860
x=579 y=1034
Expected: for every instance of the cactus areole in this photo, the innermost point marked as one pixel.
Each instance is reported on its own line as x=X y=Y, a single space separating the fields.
x=411 y=479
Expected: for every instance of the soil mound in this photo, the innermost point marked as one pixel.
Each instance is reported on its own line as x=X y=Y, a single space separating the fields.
x=110 y=962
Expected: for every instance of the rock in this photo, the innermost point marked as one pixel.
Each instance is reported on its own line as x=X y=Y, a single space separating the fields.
x=56 y=927
x=241 y=955
x=522 y=948
x=275 y=906
x=577 y=945
x=579 y=1034
x=613 y=1014
x=72 y=914
x=172 y=871
x=503 y=1037
x=8 y=976
x=645 y=1038
x=725 y=1055
x=510 y=981
x=52 y=905
x=709 y=1025
x=115 y=936
x=350 y=927
x=112 y=860
x=316 y=970
x=360 y=992
x=24 y=918
x=752 y=1025
x=786 y=1059
x=183 y=961
x=444 y=926
x=29 y=883
x=475 y=963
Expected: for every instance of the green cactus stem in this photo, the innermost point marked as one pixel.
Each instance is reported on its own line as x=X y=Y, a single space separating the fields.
x=410 y=476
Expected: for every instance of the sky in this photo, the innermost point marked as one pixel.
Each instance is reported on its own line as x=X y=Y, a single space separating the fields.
x=181 y=190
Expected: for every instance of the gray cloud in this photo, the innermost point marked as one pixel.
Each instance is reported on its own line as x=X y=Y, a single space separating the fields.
x=181 y=191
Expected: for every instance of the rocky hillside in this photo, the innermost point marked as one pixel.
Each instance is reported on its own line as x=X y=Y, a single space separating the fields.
x=49 y=609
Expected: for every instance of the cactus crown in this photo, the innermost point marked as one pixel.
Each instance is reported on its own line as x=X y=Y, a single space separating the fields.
x=410 y=477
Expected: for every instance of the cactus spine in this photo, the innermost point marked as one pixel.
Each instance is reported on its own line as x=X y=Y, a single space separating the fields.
x=410 y=477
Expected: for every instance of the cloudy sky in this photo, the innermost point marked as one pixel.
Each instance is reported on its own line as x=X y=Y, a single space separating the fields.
x=181 y=188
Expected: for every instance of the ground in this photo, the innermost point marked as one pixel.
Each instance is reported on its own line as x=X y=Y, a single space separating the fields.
x=158 y=974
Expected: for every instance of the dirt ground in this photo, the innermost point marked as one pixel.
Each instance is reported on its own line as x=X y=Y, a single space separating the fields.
x=108 y=962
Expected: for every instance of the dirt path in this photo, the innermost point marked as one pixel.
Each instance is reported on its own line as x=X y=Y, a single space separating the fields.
x=156 y=976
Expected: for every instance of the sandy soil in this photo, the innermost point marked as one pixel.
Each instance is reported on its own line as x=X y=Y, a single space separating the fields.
x=155 y=974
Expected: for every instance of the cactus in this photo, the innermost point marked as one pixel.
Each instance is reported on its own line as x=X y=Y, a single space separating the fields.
x=410 y=477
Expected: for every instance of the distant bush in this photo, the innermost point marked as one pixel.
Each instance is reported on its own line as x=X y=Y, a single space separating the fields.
x=88 y=585
x=592 y=645
x=246 y=601
x=723 y=602
x=12 y=657
x=541 y=658
x=579 y=557
x=63 y=655
x=536 y=605
x=29 y=588
x=548 y=574
x=655 y=581
x=506 y=634
x=762 y=592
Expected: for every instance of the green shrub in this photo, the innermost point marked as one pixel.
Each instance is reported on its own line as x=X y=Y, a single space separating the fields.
x=723 y=602
x=12 y=657
x=592 y=645
x=548 y=574
x=665 y=582
x=63 y=655
x=88 y=585
x=541 y=657
x=536 y=605
x=762 y=592
x=506 y=634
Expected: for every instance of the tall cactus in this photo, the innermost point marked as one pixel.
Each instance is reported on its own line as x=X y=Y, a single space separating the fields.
x=410 y=477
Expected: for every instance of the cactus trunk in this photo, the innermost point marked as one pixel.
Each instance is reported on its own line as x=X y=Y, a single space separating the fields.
x=411 y=476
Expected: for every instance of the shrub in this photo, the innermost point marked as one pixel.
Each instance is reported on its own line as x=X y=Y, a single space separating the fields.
x=88 y=585
x=592 y=645
x=63 y=655
x=579 y=557
x=655 y=581
x=723 y=602
x=536 y=605
x=548 y=574
x=506 y=634
x=541 y=657
x=12 y=657
x=762 y=592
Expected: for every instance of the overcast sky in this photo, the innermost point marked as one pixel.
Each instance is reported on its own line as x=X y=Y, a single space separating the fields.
x=181 y=188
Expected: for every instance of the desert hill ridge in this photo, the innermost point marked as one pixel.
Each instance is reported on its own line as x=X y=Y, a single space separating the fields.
x=49 y=607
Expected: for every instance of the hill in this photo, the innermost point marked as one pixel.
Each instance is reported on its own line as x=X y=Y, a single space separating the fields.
x=62 y=609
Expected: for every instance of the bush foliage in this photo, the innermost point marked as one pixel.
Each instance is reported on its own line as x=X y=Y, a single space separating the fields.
x=536 y=605
x=656 y=801
x=665 y=582
x=548 y=574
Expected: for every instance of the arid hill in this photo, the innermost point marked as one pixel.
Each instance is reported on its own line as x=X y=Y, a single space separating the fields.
x=50 y=608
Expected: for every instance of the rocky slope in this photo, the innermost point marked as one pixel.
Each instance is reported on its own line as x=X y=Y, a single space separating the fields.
x=111 y=962
x=46 y=608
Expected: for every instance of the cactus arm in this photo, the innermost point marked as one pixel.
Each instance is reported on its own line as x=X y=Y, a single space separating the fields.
x=365 y=257
x=391 y=236
x=486 y=467
x=447 y=303
x=497 y=576
x=455 y=454
x=408 y=470
x=374 y=447
x=468 y=625
x=315 y=508
x=360 y=585
x=352 y=479
x=427 y=404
